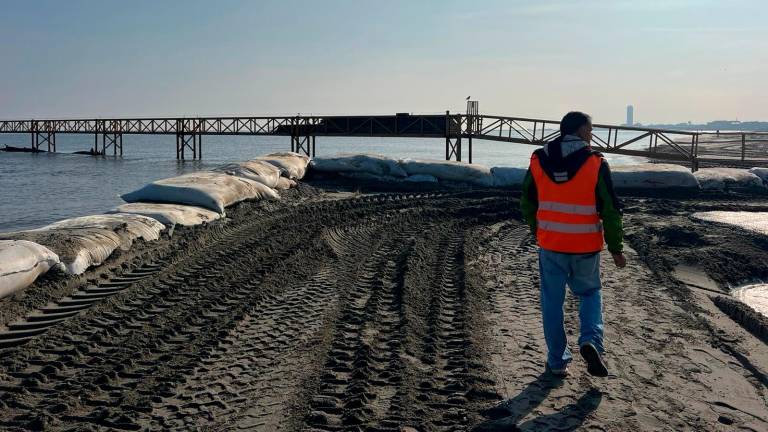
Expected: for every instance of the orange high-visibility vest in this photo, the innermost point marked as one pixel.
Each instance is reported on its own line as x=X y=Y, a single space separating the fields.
x=567 y=219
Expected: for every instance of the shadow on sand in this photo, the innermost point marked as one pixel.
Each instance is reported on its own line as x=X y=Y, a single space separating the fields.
x=506 y=415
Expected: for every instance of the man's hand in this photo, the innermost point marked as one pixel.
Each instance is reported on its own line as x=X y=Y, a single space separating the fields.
x=619 y=259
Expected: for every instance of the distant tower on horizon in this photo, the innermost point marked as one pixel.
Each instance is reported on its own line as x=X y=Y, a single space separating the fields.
x=630 y=115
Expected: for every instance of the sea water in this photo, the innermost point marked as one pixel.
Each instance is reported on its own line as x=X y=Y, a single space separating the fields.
x=38 y=189
x=755 y=295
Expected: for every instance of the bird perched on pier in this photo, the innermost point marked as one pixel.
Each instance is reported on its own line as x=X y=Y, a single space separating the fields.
x=468 y=97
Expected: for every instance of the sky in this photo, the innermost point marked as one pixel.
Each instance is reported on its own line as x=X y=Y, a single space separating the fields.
x=674 y=60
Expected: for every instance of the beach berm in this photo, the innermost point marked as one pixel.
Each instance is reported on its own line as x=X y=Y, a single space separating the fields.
x=353 y=305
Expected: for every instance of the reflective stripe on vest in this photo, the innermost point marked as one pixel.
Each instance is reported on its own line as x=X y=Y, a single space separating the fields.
x=568 y=208
x=567 y=219
x=569 y=227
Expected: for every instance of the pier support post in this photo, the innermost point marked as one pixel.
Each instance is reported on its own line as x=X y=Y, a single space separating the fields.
x=743 y=147
x=303 y=144
x=113 y=140
x=302 y=141
x=453 y=148
x=44 y=138
x=470 y=148
x=473 y=120
x=191 y=141
x=452 y=141
x=189 y=136
x=695 y=152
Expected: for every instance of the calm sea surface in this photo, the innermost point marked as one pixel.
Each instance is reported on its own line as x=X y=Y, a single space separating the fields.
x=38 y=189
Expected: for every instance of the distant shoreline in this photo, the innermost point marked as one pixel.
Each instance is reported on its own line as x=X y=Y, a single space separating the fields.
x=712 y=127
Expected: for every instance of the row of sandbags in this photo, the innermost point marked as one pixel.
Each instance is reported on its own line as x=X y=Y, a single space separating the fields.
x=732 y=178
x=74 y=245
x=226 y=185
x=207 y=189
x=667 y=176
x=383 y=168
x=70 y=245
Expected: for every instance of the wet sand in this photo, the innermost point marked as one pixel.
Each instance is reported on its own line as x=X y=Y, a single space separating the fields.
x=365 y=308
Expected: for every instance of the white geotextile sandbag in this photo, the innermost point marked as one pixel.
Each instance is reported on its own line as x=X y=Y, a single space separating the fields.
x=88 y=241
x=760 y=172
x=653 y=176
x=136 y=226
x=370 y=177
x=449 y=170
x=208 y=189
x=367 y=163
x=284 y=183
x=170 y=214
x=720 y=178
x=508 y=176
x=21 y=262
x=101 y=235
x=293 y=165
x=421 y=178
x=256 y=170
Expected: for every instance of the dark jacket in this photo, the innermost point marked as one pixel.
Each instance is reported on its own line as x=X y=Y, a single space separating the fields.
x=561 y=159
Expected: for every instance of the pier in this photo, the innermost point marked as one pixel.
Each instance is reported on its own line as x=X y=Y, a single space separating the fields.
x=458 y=129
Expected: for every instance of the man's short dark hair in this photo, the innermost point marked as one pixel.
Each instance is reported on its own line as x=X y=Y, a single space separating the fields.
x=573 y=121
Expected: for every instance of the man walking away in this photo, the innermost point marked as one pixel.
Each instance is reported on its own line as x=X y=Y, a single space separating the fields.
x=569 y=203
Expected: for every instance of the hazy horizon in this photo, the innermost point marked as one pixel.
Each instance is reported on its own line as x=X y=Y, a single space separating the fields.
x=674 y=61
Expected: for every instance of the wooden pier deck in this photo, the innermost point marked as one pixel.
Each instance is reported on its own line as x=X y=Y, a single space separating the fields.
x=749 y=149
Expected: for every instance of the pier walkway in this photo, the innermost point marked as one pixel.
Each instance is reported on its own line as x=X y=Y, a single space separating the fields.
x=687 y=147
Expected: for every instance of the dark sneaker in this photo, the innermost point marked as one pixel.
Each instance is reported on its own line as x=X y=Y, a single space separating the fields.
x=595 y=365
x=559 y=372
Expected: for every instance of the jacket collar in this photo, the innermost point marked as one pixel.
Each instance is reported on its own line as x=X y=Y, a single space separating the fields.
x=568 y=144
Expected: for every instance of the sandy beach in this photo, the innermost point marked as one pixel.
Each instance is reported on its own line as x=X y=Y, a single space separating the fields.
x=360 y=307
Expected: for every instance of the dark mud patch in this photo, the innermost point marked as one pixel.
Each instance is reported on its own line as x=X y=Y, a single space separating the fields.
x=681 y=237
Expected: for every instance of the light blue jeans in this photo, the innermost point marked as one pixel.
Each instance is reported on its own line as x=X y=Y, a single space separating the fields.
x=582 y=273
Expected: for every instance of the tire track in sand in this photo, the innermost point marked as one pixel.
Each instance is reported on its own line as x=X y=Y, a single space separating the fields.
x=134 y=349
x=144 y=355
x=400 y=354
x=446 y=395
x=364 y=351
x=119 y=357
x=251 y=379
